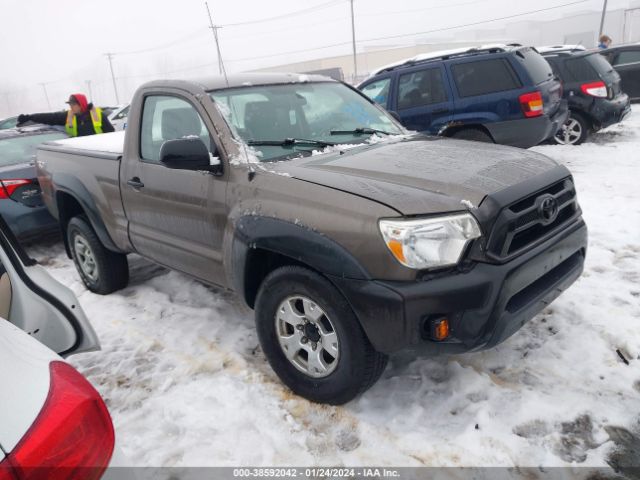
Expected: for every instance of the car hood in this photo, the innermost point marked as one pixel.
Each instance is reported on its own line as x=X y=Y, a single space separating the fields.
x=420 y=174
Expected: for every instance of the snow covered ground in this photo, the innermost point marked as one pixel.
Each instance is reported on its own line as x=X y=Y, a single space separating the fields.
x=187 y=385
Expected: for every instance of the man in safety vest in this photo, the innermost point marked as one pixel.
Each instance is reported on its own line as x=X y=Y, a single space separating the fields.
x=80 y=120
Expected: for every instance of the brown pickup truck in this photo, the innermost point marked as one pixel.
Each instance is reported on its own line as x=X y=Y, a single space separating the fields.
x=350 y=237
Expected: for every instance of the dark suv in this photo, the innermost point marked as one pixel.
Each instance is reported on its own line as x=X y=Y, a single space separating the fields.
x=592 y=87
x=503 y=94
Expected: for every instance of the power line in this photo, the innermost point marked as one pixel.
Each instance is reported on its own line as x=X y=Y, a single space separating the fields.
x=477 y=23
x=454 y=27
x=286 y=15
x=437 y=7
x=183 y=39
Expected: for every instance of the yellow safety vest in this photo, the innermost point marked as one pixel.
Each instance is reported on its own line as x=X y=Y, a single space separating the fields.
x=71 y=126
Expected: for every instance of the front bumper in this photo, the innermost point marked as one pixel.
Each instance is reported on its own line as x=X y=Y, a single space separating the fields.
x=528 y=132
x=484 y=305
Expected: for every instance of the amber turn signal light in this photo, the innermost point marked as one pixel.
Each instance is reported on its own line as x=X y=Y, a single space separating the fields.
x=440 y=329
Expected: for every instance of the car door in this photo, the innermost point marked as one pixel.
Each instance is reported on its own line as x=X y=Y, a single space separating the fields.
x=176 y=217
x=33 y=301
x=423 y=99
x=627 y=64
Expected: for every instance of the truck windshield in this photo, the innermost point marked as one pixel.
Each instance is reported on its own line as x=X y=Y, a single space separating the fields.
x=278 y=120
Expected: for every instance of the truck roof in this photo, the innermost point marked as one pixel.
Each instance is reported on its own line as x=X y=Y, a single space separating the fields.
x=244 y=80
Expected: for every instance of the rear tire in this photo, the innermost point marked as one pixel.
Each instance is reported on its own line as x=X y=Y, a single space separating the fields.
x=473 y=134
x=102 y=271
x=320 y=325
x=574 y=131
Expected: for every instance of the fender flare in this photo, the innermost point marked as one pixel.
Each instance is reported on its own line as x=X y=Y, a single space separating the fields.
x=70 y=185
x=297 y=242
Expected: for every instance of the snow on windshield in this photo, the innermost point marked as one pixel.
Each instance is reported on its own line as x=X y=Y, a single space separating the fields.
x=320 y=112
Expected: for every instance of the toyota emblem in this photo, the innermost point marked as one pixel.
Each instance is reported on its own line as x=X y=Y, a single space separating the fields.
x=547 y=209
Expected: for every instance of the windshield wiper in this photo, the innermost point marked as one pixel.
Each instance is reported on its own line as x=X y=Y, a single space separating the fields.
x=359 y=131
x=289 y=142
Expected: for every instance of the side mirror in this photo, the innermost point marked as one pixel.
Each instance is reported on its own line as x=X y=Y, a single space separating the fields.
x=188 y=154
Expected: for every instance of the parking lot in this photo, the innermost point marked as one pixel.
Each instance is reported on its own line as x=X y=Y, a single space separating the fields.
x=186 y=383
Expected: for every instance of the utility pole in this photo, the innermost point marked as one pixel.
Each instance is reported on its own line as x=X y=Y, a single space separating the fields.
x=90 y=92
x=214 y=29
x=353 y=34
x=604 y=12
x=113 y=77
x=44 y=87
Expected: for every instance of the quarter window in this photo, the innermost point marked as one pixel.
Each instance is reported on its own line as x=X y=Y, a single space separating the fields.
x=378 y=91
x=424 y=87
x=485 y=76
x=169 y=118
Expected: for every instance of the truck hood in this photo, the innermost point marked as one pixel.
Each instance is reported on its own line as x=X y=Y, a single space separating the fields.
x=420 y=174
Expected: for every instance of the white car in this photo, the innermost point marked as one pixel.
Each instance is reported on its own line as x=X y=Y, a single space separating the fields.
x=53 y=423
x=118 y=117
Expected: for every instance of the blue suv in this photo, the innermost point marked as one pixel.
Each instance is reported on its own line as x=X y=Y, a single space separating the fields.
x=503 y=94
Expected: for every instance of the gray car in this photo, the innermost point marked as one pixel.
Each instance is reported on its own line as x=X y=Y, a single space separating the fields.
x=21 y=202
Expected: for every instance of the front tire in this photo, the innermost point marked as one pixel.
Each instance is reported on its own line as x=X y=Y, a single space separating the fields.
x=312 y=339
x=574 y=131
x=102 y=271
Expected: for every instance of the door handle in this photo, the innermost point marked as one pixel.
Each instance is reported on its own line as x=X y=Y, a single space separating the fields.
x=135 y=183
x=441 y=110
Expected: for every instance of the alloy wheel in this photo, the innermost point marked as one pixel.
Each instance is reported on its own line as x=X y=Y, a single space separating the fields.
x=307 y=337
x=85 y=258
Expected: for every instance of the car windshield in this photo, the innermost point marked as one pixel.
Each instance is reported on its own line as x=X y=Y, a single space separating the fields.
x=22 y=149
x=281 y=121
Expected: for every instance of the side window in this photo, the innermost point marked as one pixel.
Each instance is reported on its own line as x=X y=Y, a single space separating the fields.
x=168 y=118
x=424 y=87
x=378 y=91
x=625 y=58
x=580 y=70
x=485 y=76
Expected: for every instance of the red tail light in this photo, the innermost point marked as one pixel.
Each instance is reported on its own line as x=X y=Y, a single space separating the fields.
x=532 y=105
x=72 y=438
x=7 y=187
x=595 y=89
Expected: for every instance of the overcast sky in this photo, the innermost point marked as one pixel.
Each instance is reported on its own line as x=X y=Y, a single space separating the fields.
x=62 y=43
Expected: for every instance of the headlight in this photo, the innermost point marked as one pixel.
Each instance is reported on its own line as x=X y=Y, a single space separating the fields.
x=429 y=242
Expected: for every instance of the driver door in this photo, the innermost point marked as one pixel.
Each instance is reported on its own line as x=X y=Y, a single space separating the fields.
x=176 y=216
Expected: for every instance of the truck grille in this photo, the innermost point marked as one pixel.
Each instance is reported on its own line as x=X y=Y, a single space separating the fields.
x=532 y=219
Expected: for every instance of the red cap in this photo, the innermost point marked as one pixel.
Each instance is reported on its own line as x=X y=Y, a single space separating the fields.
x=80 y=99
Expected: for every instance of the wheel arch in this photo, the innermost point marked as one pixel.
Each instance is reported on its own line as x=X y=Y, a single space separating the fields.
x=450 y=131
x=70 y=204
x=261 y=245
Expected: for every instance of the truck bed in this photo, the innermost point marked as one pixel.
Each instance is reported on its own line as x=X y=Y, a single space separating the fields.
x=87 y=171
x=107 y=143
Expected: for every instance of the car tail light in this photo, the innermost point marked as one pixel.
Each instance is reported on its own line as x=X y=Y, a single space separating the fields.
x=595 y=89
x=71 y=439
x=10 y=186
x=532 y=105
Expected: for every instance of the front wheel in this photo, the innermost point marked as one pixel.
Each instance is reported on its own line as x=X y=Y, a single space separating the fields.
x=573 y=132
x=102 y=271
x=312 y=339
